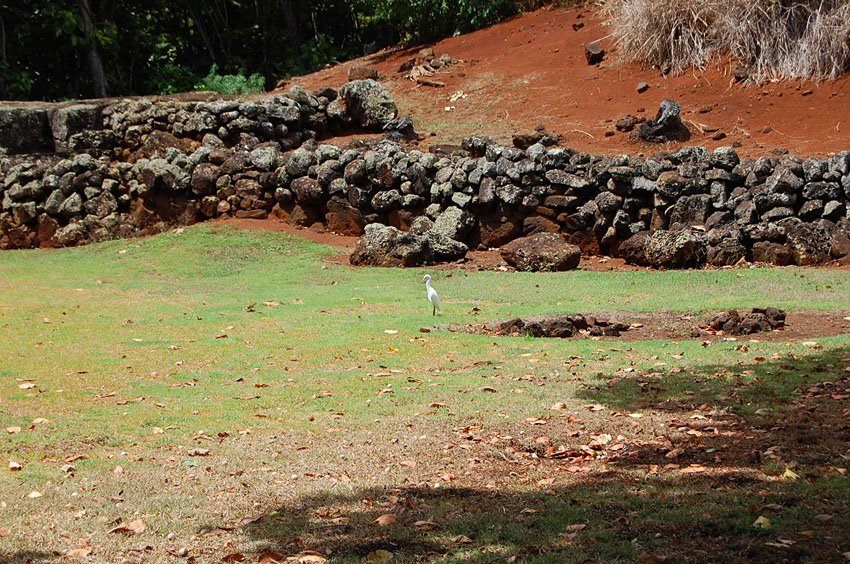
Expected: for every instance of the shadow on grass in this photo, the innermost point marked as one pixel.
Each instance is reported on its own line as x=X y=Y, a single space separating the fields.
x=798 y=406
x=26 y=557
x=738 y=435
x=603 y=519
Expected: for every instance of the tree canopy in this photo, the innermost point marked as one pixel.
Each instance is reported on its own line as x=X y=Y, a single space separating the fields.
x=65 y=49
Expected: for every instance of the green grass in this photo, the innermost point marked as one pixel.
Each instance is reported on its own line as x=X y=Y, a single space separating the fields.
x=251 y=345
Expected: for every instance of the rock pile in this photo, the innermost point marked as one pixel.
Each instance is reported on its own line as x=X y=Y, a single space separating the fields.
x=168 y=165
x=559 y=327
x=758 y=321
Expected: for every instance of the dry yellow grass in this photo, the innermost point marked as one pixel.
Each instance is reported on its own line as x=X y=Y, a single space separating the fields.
x=772 y=38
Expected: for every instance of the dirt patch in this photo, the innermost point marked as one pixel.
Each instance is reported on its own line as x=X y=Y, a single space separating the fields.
x=532 y=70
x=677 y=326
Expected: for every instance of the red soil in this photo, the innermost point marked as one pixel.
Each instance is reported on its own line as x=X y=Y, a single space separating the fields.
x=532 y=71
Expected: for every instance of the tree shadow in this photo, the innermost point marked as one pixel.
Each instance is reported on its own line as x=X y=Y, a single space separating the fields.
x=631 y=502
x=792 y=408
x=26 y=557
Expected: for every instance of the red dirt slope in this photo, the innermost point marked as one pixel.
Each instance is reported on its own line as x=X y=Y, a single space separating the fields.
x=532 y=70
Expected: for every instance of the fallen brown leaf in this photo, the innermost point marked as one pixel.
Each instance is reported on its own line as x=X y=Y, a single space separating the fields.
x=385 y=519
x=269 y=557
x=132 y=528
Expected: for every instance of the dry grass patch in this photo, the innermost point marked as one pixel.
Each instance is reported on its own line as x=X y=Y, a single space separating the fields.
x=773 y=39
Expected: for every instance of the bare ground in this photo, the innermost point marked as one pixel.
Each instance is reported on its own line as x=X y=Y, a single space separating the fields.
x=531 y=70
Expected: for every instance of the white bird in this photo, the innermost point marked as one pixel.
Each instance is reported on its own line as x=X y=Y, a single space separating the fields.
x=433 y=297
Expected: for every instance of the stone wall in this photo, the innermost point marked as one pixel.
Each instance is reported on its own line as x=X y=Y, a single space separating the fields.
x=149 y=164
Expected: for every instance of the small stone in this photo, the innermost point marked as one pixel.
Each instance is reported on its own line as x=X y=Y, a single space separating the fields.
x=594 y=53
x=642 y=87
x=719 y=136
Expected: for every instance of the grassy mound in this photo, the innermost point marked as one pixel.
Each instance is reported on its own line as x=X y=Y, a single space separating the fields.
x=772 y=38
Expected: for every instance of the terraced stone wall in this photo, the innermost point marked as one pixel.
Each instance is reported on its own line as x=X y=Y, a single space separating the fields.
x=149 y=165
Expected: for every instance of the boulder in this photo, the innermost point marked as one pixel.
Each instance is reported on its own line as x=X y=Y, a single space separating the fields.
x=445 y=249
x=667 y=125
x=547 y=252
x=594 y=53
x=369 y=103
x=454 y=223
x=70 y=235
x=382 y=245
x=343 y=218
x=25 y=130
x=770 y=252
x=809 y=243
x=665 y=249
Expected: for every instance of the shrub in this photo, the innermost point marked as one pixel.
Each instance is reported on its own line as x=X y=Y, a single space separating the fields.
x=232 y=83
x=773 y=38
x=429 y=20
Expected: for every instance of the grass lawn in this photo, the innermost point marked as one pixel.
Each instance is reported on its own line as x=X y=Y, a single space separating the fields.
x=215 y=395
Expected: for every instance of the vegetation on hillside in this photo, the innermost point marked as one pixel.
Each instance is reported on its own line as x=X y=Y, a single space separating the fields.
x=53 y=49
x=771 y=38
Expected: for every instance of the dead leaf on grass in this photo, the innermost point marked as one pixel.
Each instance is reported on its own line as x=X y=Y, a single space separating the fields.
x=269 y=557
x=490 y=389
x=310 y=557
x=82 y=552
x=408 y=463
x=234 y=557
x=5 y=532
x=13 y=430
x=132 y=528
x=824 y=517
x=34 y=494
x=694 y=469
x=385 y=519
x=198 y=452
x=425 y=525
x=15 y=466
x=379 y=556
x=27 y=385
x=762 y=522
x=790 y=475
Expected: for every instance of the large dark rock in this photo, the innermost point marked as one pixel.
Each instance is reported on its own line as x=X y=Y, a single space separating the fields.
x=667 y=125
x=369 y=103
x=665 y=249
x=758 y=321
x=71 y=126
x=454 y=223
x=772 y=253
x=383 y=245
x=497 y=228
x=25 y=130
x=541 y=252
x=343 y=218
x=809 y=242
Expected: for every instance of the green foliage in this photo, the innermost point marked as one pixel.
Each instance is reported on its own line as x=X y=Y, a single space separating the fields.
x=159 y=46
x=231 y=83
x=429 y=20
x=171 y=79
